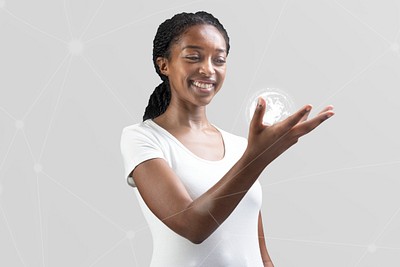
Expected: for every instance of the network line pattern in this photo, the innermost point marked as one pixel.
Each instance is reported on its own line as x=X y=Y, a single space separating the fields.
x=74 y=73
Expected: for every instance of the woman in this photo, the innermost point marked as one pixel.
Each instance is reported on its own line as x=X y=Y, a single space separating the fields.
x=197 y=184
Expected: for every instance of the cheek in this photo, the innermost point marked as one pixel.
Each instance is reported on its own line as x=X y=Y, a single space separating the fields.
x=221 y=72
x=221 y=69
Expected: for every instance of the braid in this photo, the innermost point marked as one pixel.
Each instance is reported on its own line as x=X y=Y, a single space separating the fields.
x=168 y=33
x=158 y=101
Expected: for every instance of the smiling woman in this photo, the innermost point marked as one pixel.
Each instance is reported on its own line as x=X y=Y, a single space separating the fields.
x=196 y=65
x=197 y=184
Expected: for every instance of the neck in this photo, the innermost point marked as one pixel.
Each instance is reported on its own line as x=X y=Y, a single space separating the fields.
x=179 y=115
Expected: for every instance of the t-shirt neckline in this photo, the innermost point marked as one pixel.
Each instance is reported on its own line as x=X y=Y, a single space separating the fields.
x=168 y=134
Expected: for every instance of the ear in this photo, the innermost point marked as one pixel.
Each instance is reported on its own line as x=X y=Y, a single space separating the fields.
x=162 y=64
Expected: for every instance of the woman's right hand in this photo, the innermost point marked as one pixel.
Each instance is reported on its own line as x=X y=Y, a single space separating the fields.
x=266 y=143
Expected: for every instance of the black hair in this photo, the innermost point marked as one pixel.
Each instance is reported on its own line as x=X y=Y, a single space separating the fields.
x=167 y=34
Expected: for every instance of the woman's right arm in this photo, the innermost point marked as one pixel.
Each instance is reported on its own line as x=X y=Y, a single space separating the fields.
x=196 y=219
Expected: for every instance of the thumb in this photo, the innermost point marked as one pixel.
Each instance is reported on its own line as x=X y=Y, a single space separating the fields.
x=259 y=112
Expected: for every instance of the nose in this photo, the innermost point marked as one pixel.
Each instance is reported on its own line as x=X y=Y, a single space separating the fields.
x=207 y=68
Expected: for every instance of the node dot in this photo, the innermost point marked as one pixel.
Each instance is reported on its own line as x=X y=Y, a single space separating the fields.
x=19 y=124
x=75 y=47
x=130 y=235
x=395 y=47
x=372 y=248
x=193 y=263
x=37 y=167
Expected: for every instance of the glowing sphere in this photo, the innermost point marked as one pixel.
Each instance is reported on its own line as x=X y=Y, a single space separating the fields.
x=279 y=105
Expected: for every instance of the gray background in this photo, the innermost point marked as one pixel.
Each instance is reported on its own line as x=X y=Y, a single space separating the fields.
x=74 y=73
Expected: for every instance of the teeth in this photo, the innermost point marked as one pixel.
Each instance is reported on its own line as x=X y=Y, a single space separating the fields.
x=203 y=85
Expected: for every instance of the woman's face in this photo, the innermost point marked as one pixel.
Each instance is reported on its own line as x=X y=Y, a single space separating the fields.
x=196 y=66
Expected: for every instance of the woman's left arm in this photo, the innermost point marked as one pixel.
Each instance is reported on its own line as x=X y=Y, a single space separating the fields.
x=263 y=248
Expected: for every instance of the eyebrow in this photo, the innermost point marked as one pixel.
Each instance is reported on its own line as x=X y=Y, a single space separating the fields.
x=201 y=48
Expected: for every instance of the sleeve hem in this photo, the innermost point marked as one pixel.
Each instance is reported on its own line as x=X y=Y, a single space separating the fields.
x=129 y=170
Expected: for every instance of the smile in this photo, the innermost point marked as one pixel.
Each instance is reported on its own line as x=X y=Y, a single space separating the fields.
x=203 y=85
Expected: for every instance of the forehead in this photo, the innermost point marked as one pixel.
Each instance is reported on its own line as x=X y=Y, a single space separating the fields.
x=205 y=36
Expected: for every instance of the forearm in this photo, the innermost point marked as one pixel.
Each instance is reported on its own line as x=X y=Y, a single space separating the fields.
x=207 y=212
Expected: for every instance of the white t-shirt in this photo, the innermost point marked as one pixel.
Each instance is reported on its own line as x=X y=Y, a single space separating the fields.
x=235 y=242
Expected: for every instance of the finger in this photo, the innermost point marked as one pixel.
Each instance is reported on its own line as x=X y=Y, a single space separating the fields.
x=259 y=112
x=327 y=108
x=313 y=123
x=292 y=120
x=330 y=107
x=305 y=117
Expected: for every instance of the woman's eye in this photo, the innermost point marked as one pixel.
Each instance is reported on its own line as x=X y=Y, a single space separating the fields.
x=193 y=58
x=220 y=60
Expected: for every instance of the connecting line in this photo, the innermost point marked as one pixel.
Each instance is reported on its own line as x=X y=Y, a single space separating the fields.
x=251 y=162
x=28 y=145
x=211 y=251
x=34 y=27
x=85 y=203
x=224 y=232
x=8 y=150
x=378 y=237
x=332 y=171
x=108 y=87
x=318 y=242
x=139 y=20
x=8 y=114
x=175 y=214
x=232 y=194
x=55 y=110
x=235 y=175
x=362 y=22
x=145 y=227
x=388 y=248
x=133 y=253
x=40 y=218
x=91 y=20
x=12 y=235
x=354 y=77
x=45 y=87
x=214 y=218
x=259 y=64
x=107 y=252
x=67 y=18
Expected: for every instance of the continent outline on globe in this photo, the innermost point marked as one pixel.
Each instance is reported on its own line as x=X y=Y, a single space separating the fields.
x=279 y=105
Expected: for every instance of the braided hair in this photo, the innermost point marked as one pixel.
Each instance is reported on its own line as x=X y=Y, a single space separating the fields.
x=168 y=33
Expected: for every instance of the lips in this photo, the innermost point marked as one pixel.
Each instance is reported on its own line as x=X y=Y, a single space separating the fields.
x=203 y=86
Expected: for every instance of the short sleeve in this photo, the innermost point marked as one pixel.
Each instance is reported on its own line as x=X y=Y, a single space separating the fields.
x=137 y=146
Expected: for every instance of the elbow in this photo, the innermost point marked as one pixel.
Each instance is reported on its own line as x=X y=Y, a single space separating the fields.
x=196 y=238
x=197 y=241
x=195 y=233
x=195 y=229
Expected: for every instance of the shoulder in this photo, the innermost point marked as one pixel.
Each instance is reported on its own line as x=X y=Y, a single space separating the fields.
x=139 y=142
x=139 y=134
x=139 y=130
x=135 y=128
